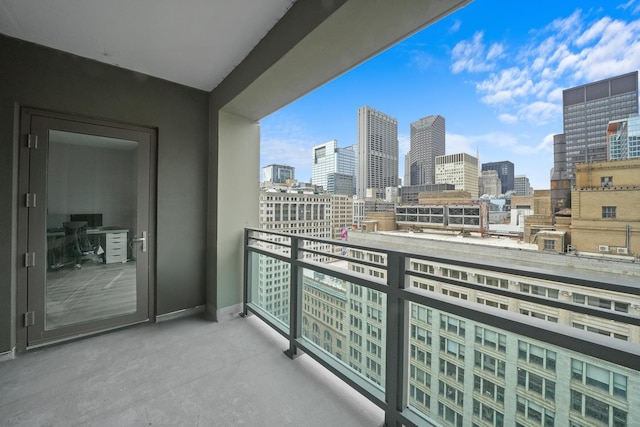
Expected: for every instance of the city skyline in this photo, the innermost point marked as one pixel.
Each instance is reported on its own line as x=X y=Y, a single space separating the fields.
x=499 y=86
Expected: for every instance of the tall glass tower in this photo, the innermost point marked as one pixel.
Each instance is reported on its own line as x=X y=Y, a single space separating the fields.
x=377 y=151
x=588 y=109
x=427 y=143
x=332 y=165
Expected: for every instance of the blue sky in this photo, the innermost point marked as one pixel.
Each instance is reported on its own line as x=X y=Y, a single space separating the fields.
x=494 y=69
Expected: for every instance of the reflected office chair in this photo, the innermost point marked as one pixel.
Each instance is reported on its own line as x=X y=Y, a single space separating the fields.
x=76 y=243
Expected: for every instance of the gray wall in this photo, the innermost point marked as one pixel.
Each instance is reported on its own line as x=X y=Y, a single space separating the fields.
x=47 y=79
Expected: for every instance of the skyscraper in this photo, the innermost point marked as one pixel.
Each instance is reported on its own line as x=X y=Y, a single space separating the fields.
x=505 y=173
x=427 y=143
x=377 y=151
x=333 y=166
x=588 y=109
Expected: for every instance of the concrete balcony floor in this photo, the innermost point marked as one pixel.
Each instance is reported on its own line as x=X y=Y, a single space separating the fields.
x=182 y=372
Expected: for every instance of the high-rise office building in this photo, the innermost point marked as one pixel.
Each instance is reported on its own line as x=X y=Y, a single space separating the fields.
x=377 y=152
x=459 y=169
x=332 y=166
x=427 y=143
x=278 y=174
x=505 y=173
x=623 y=138
x=588 y=109
x=522 y=186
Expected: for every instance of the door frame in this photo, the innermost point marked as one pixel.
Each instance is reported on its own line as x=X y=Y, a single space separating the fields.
x=22 y=297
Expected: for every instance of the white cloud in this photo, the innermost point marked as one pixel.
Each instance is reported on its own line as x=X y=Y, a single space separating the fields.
x=470 y=55
x=569 y=51
x=514 y=144
x=421 y=59
x=539 y=112
x=626 y=5
x=508 y=118
x=280 y=151
x=455 y=26
x=459 y=144
x=505 y=87
x=495 y=51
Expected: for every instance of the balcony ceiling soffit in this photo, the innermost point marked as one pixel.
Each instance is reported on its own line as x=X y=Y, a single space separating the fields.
x=196 y=43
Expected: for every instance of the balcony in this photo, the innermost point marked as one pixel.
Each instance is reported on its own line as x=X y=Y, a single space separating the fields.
x=440 y=341
x=184 y=372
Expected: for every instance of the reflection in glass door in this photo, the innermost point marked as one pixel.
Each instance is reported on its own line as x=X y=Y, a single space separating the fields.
x=88 y=219
x=91 y=218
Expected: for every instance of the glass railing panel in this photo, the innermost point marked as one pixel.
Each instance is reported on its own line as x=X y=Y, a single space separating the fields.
x=268 y=279
x=467 y=284
x=271 y=242
x=462 y=372
x=347 y=322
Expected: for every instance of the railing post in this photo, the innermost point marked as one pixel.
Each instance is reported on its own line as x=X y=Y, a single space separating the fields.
x=396 y=337
x=295 y=297
x=246 y=280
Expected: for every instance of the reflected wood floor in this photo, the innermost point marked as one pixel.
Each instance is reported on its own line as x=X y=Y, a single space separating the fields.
x=95 y=291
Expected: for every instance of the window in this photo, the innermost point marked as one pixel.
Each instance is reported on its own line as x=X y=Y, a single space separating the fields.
x=452 y=324
x=451 y=393
x=489 y=364
x=608 y=212
x=537 y=355
x=490 y=338
x=452 y=370
x=537 y=384
x=549 y=245
x=610 y=382
x=488 y=389
x=606 y=181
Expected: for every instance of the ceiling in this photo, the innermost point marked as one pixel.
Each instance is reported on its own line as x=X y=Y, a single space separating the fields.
x=196 y=43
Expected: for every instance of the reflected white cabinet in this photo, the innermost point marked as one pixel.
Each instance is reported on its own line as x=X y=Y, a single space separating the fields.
x=115 y=247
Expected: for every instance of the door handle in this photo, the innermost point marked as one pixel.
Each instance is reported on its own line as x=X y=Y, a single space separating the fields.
x=142 y=239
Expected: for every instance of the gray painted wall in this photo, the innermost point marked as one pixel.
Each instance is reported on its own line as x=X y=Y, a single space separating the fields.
x=43 y=78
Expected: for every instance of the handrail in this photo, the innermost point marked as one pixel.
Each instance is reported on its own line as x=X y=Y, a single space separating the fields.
x=395 y=286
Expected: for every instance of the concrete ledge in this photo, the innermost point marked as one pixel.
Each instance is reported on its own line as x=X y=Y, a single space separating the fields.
x=187 y=312
x=227 y=313
x=7 y=355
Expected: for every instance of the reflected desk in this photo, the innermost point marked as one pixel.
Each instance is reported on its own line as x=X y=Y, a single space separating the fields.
x=112 y=239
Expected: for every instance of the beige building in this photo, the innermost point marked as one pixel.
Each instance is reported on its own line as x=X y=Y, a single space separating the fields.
x=605 y=208
x=341 y=215
x=459 y=169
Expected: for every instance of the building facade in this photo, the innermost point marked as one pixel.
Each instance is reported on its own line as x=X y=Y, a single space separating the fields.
x=505 y=170
x=308 y=214
x=427 y=143
x=522 y=186
x=341 y=216
x=489 y=183
x=605 y=217
x=377 y=151
x=586 y=112
x=463 y=372
x=278 y=174
x=623 y=138
x=329 y=161
x=459 y=169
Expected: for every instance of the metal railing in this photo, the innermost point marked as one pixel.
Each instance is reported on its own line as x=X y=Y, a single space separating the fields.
x=307 y=263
